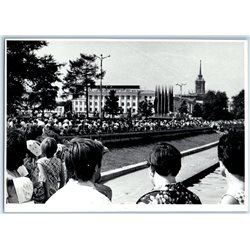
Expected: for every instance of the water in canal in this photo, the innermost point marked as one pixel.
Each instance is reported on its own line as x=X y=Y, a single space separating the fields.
x=209 y=189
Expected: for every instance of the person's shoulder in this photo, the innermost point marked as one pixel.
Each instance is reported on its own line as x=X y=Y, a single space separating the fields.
x=148 y=197
x=42 y=159
x=192 y=197
x=96 y=195
x=56 y=159
x=228 y=199
x=107 y=191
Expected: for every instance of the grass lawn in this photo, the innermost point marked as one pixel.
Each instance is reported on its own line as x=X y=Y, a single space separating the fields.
x=119 y=157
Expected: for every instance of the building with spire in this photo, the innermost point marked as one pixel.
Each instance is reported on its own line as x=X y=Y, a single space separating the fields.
x=192 y=98
x=200 y=84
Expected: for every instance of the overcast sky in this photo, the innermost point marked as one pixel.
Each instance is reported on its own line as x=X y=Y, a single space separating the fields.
x=161 y=62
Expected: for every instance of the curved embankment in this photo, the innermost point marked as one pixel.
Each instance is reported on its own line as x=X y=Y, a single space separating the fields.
x=187 y=179
x=114 y=138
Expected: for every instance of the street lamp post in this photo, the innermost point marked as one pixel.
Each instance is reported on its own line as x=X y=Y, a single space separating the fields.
x=181 y=85
x=101 y=57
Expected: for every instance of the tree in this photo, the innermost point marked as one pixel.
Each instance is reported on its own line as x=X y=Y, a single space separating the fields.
x=197 y=111
x=215 y=106
x=239 y=105
x=183 y=108
x=44 y=93
x=111 y=104
x=145 y=108
x=80 y=77
x=22 y=70
x=66 y=104
x=30 y=77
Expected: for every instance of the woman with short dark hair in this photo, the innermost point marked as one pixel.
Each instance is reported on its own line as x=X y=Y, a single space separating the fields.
x=83 y=161
x=164 y=165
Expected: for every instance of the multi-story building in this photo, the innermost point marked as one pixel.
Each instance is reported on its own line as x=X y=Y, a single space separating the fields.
x=129 y=98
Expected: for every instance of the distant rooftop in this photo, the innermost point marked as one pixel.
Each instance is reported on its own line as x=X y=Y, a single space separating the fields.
x=118 y=87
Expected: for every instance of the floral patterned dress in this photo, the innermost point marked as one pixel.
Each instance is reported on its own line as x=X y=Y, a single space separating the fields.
x=174 y=193
x=49 y=171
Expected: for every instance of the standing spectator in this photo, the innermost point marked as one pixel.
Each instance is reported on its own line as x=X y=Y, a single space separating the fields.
x=164 y=164
x=16 y=151
x=231 y=153
x=83 y=160
x=15 y=183
x=50 y=168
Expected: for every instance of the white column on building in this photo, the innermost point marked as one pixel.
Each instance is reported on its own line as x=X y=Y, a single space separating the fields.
x=100 y=103
x=131 y=102
x=120 y=99
x=125 y=102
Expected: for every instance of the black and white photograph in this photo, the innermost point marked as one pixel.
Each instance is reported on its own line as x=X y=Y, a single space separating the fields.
x=109 y=125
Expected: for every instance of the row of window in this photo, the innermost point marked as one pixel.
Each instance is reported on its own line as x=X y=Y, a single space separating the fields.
x=122 y=98
x=96 y=103
x=90 y=109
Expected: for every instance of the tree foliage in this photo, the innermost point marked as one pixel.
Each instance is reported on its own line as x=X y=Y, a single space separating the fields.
x=215 y=106
x=197 y=110
x=28 y=75
x=183 y=108
x=81 y=76
x=22 y=65
x=44 y=93
x=111 y=104
x=239 y=105
x=66 y=104
x=145 y=108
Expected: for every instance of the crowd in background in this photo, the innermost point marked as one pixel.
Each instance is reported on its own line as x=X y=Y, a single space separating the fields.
x=63 y=126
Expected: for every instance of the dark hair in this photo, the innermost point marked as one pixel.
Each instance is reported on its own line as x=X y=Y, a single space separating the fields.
x=81 y=158
x=49 y=147
x=165 y=159
x=32 y=132
x=50 y=133
x=16 y=149
x=231 y=152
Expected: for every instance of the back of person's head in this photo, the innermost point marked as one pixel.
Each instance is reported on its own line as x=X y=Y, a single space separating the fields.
x=231 y=152
x=165 y=159
x=50 y=133
x=32 y=132
x=82 y=157
x=16 y=149
x=49 y=147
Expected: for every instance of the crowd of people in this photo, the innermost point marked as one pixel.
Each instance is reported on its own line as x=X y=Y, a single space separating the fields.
x=72 y=127
x=69 y=176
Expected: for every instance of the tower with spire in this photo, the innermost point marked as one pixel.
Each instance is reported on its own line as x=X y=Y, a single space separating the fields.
x=200 y=83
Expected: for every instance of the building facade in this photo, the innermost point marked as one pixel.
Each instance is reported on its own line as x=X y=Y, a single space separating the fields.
x=129 y=99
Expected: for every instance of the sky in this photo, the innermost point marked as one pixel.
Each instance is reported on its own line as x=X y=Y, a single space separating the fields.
x=161 y=62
